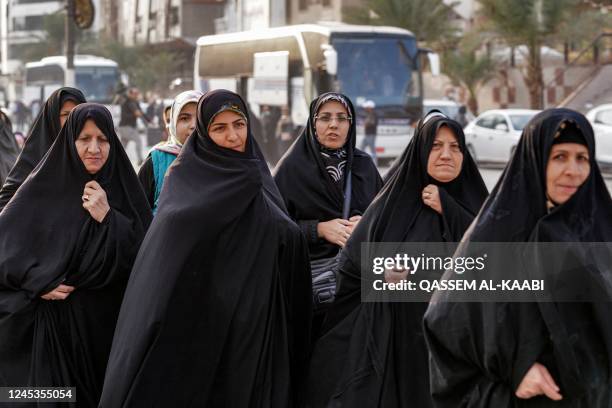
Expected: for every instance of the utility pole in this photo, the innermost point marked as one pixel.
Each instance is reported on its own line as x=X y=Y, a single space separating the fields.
x=69 y=37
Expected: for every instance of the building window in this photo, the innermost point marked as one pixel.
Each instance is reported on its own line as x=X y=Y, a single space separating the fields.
x=326 y=3
x=174 y=15
x=303 y=4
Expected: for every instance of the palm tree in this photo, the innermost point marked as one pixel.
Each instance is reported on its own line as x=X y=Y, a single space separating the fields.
x=467 y=67
x=427 y=19
x=532 y=23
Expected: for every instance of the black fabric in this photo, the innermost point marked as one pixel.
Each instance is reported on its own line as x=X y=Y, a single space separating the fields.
x=218 y=307
x=309 y=191
x=374 y=354
x=48 y=238
x=146 y=175
x=41 y=136
x=9 y=149
x=129 y=109
x=480 y=352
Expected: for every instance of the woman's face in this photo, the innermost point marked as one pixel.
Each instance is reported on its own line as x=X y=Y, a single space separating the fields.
x=332 y=124
x=92 y=146
x=186 y=122
x=567 y=169
x=67 y=107
x=445 y=159
x=229 y=130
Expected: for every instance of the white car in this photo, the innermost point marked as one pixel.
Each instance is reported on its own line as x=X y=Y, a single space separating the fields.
x=494 y=134
x=601 y=119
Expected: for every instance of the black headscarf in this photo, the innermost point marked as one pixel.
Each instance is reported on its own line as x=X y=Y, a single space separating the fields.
x=41 y=136
x=374 y=354
x=307 y=187
x=481 y=351
x=9 y=149
x=217 y=310
x=48 y=238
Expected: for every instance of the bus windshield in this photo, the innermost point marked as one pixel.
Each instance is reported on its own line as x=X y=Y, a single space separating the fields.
x=380 y=69
x=97 y=83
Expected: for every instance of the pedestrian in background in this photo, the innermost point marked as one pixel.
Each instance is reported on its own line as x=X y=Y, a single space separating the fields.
x=128 y=126
x=552 y=353
x=183 y=117
x=41 y=136
x=9 y=148
x=68 y=241
x=228 y=324
x=285 y=131
x=370 y=127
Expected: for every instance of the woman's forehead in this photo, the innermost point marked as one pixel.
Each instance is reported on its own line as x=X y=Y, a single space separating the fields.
x=445 y=133
x=226 y=117
x=332 y=107
x=189 y=108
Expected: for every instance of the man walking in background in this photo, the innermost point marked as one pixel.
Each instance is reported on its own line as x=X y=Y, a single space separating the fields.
x=370 y=129
x=128 y=131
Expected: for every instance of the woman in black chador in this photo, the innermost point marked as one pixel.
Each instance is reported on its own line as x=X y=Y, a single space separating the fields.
x=69 y=237
x=41 y=136
x=374 y=354
x=311 y=177
x=546 y=354
x=217 y=311
x=9 y=149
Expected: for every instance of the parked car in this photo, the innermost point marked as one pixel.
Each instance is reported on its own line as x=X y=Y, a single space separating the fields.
x=494 y=134
x=601 y=119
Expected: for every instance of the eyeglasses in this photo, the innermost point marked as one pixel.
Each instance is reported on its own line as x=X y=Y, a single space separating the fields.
x=340 y=119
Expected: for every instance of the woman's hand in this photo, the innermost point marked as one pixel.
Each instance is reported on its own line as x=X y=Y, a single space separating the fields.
x=336 y=231
x=395 y=275
x=59 y=293
x=354 y=220
x=431 y=198
x=538 y=381
x=95 y=201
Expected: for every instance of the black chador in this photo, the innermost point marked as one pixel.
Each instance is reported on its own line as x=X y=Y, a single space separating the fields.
x=49 y=239
x=374 y=354
x=41 y=136
x=480 y=352
x=217 y=311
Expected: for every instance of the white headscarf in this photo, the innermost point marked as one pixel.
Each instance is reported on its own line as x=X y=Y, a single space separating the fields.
x=173 y=145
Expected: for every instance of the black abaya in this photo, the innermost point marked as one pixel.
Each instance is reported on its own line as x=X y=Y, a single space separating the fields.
x=217 y=311
x=48 y=238
x=310 y=193
x=374 y=354
x=480 y=352
x=42 y=133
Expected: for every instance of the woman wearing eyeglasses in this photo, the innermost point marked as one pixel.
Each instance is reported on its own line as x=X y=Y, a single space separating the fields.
x=312 y=178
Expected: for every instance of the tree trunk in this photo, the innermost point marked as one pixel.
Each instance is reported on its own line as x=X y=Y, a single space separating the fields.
x=472 y=101
x=534 y=78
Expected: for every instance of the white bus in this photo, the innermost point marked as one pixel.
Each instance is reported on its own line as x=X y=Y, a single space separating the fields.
x=96 y=77
x=293 y=64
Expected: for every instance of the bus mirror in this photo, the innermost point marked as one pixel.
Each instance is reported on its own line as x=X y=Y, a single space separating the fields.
x=434 y=63
x=331 y=59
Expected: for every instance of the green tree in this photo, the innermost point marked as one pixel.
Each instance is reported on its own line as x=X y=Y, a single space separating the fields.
x=468 y=67
x=532 y=23
x=427 y=19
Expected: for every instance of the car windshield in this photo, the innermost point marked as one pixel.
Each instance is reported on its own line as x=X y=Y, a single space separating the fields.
x=519 y=121
x=362 y=76
x=97 y=83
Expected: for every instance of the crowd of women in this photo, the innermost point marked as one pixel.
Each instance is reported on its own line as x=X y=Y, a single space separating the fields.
x=210 y=301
